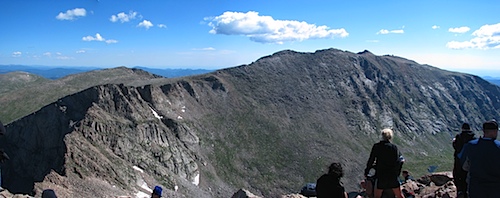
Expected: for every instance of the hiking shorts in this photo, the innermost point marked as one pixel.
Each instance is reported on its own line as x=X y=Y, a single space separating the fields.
x=387 y=183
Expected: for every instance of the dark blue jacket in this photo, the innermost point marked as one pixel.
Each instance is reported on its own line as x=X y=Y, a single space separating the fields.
x=482 y=159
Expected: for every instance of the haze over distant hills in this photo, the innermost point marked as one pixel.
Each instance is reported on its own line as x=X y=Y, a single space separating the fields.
x=270 y=126
x=52 y=72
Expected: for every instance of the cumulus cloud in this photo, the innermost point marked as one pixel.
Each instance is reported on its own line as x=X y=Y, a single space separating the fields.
x=486 y=37
x=16 y=54
x=459 y=30
x=80 y=51
x=145 y=24
x=72 y=14
x=162 y=26
x=384 y=31
x=265 y=29
x=98 y=37
x=47 y=54
x=435 y=27
x=122 y=17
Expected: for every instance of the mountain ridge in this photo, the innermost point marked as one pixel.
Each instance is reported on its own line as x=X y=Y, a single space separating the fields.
x=269 y=126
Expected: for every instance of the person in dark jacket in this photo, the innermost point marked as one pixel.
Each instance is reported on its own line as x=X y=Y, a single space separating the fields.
x=329 y=186
x=3 y=155
x=460 y=175
x=481 y=157
x=387 y=161
x=49 y=193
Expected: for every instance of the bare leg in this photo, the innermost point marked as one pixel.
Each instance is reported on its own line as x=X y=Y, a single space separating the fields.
x=397 y=192
x=378 y=192
x=369 y=189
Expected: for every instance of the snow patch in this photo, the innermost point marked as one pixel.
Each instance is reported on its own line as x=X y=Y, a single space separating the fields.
x=141 y=194
x=183 y=109
x=156 y=114
x=145 y=187
x=138 y=169
x=180 y=117
x=196 y=179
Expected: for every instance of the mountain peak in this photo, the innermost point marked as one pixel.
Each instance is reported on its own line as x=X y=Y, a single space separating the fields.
x=365 y=52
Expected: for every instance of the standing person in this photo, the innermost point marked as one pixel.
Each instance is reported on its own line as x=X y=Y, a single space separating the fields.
x=387 y=161
x=481 y=157
x=459 y=174
x=3 y=155
x=329 y=186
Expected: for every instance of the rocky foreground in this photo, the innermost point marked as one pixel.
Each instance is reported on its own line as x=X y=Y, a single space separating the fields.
x=436 y=185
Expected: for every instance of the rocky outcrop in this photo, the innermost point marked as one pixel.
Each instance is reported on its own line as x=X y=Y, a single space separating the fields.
x=102 y=133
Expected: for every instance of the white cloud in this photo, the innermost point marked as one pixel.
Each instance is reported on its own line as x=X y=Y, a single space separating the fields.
x=80 y=51
x=16 y=54
x=47 y=54
x=98 y=37
x=111 y=41
x=384 y=31
x=72 y=14
x=122 y=17
x=486 y=37
x=435 y=27
x=265 y=29
x=162 y=26
x=459 y=30
x=145 y=24
x=204 y=49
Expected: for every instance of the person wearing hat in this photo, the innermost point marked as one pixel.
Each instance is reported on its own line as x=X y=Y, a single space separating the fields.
x=481 y=157
x=459 y=174
x=156 y=192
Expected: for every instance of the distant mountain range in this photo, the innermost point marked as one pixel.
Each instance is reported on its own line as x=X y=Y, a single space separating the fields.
x=59 y=72
x=493 y=80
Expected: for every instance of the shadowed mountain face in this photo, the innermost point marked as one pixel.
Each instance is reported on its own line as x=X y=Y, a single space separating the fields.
x=270 y=126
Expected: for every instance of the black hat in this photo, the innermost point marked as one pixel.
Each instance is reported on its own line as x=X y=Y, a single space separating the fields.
x=466 y=127
x=492 y=124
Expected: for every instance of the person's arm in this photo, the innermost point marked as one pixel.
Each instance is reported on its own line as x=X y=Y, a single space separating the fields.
x=464 y=158
x=345 y=195
x=371 y=160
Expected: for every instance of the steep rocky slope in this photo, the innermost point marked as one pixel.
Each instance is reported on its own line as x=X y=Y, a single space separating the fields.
x=269 y=126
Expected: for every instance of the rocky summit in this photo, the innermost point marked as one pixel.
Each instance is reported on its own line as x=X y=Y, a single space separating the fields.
x=269 y=127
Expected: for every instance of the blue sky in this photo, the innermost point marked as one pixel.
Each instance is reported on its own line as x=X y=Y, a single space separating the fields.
x=212 y=34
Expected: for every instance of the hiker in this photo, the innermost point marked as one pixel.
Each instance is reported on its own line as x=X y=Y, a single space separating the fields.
x=407 y=176
x=329 y=185
x=481 y=157
x=3 y=155
x=387 y=161
x=49 y=193
x=459 y=174
x=156 y=192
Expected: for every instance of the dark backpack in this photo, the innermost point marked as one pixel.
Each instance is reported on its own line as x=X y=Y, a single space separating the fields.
x=460 y=140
